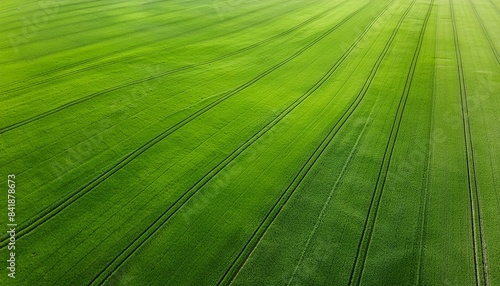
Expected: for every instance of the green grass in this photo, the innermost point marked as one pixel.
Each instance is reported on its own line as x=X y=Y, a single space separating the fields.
x=277 y=142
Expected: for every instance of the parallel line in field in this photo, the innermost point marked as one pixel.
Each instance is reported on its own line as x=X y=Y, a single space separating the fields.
x=294 y=103
x=8 y=8
x=478 y=243
x=495 y=6
x=369 y=224
x=128 y=48
x=86 y=31
x=260 y=231
x=312 y=18
x=300 y=25
x=163 y=74
x=322 y=213
x=78 y=23
x=119 y=60
x=193 y=190
x=102 y=7
x=122 y=59
x=485 y=32
x=15 y=6
x=52 y=11
x=424 y=204
x=62 y=204
x=423 y=215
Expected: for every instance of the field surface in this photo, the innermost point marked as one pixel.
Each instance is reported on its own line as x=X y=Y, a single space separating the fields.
x=248 y=142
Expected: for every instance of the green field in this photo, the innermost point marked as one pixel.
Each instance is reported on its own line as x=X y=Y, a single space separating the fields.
x=250 y=142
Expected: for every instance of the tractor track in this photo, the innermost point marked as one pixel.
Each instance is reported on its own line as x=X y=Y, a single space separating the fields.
x=160 y=75
x=60 y=19
x=181 y=201
x=369 y=224
x=260 y=231
x=62 y=204
x=478 y=243
x=485 y=32
x=126 y=58
x=128 y=48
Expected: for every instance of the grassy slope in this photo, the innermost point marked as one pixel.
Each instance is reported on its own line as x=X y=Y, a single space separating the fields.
x=242 y=99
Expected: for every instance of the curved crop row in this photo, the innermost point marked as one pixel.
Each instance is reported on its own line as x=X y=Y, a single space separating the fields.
x=62 y=204
x=184 y=198
x=160 y=75
x=257 y=235
x=125 y=58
